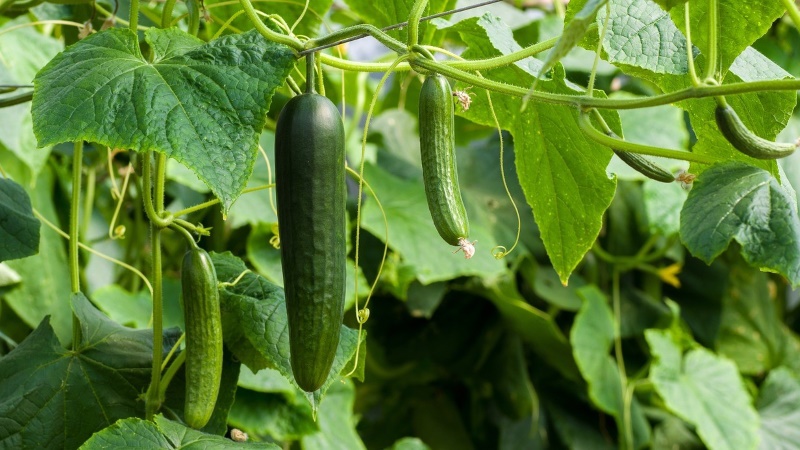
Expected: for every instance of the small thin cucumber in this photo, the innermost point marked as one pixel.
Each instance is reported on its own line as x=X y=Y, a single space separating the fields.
x=643 y=165
x=203 y=336
x=439 y=173
x=635 y=161
x=744 y=140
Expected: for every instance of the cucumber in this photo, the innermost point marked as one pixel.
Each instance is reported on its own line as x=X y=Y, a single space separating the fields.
x=635 y=161
x=744 y=140
x=310 y=176
x=203 y=336
x=439 y=174
x=643 y=165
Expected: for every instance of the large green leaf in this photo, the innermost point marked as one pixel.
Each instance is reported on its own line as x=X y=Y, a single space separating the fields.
x=55 y=398
x=337 y=426
x=23 y=51
x=258 y=309
x=202 y=104
x=640 y=34
x=592 y=337
x=704 y=390
x=383 y=13
x=739 y=25
x=562 y=174
x=751 y=332
x=536 y=328
x=45 y=276
x=574 y=30
x=734 y=201
x=779 y=407
x=164 y=434
x=19 y=229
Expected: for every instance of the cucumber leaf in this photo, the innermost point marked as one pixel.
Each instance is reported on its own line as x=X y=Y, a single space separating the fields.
x=19 y=230
x=734 y=201
x=704 y=390
x=562 y=174
x=202 y=104
x=51 y=397
x=164 y=434
x=254 y=310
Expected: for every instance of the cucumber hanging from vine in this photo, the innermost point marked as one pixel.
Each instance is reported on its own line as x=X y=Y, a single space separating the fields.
x=310 y=176
x=203 y=336
x=439 y=174
x=635 y=161
x=744 y=140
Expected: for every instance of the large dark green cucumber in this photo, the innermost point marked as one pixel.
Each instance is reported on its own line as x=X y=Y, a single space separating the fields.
x=737 y=133
x=203 y=336
x=309 y=159
x=439 y=174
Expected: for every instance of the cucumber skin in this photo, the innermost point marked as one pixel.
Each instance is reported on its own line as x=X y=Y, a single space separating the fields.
x=437 y=149
x=742 y=139
x=643 y=165
x=311 y=192
x=203 y=336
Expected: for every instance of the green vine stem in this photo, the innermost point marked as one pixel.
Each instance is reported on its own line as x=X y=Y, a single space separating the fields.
x=153 y=215
x=153 y=398
x=266 y=32
x=627 y=441
x=606 y=103
x=194 y=16
x=621 y=145
x=311 y=72
x=353 y=31
x=792 y=10
x=689 y=51
x=713 y=12
x=166 y=13
x=134 y=17
x=16 y=100
x=88 y=202
x=413 y=21
x=593 y=74
x=74 y=214
x=215 y=201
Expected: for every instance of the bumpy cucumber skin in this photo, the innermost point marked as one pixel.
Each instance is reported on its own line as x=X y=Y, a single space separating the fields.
x=437 y=147
x=643 y=165
x=737 y=133
x=203 y=337
x=310 y=176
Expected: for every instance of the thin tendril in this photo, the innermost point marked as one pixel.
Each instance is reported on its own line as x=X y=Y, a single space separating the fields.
x=112 y=233
x=226 y=24
x=360 y=193
x=269 y=179
x=302 y=14
x=93 y=251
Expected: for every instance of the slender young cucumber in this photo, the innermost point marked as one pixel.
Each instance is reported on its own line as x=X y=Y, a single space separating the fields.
x=643 y=165
x=439 y=173
x=203 y=336
x=744 y=140
x=635 y=161
x=310 y=176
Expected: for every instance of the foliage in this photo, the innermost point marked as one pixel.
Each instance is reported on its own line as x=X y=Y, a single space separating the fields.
x=600 y=310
